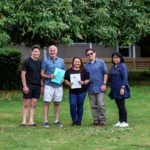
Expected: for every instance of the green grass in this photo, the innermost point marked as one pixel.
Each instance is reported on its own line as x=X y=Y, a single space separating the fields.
x=86 y=137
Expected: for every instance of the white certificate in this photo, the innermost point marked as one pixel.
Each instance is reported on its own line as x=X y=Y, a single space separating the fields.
x=74 y=78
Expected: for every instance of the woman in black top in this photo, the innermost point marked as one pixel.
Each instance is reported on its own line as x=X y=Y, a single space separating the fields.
x=77 y=79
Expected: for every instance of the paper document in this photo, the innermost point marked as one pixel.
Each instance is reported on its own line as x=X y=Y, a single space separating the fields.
x=59 y=73
x=74 y=78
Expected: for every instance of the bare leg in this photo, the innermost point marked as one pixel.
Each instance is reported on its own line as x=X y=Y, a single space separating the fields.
x=56 y=111
x=45 y=111
x=26 y=103
x=32 y=110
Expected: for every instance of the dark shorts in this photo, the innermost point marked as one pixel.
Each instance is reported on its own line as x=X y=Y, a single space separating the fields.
x=34 y=92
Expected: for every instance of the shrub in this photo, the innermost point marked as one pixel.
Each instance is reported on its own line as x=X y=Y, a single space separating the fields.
x=10 y=60
x=139 y=75
x=136 y=76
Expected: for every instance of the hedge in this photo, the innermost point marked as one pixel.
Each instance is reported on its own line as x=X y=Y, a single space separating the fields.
x=137 y=76
x=10 y=60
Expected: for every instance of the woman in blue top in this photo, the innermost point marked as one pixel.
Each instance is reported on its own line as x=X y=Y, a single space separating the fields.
x=119 y=87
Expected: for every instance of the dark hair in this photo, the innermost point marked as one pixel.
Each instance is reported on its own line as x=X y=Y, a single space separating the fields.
x=89 y=49
x=81 y=67
x=118 y=55
x=35 y=46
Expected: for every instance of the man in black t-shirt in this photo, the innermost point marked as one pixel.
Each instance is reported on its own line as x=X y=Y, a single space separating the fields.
x=31 y=81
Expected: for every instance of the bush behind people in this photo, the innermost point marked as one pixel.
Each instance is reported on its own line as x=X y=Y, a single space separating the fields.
x=10 y=60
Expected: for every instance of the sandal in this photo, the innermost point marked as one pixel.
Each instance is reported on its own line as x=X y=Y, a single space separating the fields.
x=33 y=125
x=23 y=125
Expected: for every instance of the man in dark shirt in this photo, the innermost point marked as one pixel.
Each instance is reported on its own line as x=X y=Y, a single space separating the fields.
x=31 y=81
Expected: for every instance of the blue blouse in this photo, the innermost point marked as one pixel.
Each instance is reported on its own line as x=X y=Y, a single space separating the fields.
x=119 y=78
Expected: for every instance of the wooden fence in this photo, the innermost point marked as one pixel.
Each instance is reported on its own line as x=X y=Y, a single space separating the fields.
x=131 y=63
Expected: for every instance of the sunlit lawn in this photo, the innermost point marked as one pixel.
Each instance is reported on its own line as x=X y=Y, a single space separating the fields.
x=86 y=137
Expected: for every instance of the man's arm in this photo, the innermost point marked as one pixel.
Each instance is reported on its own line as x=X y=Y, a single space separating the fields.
x=63 y=67
x=42 y=82
x=24 y=84
x=43 y=75
x=105 y=79
x=103 y=87
x=42 y=85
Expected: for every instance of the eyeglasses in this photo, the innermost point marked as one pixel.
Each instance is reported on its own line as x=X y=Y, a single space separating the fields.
x=89 y=54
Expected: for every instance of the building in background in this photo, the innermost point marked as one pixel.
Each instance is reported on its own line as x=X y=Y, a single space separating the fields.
x=78 y=49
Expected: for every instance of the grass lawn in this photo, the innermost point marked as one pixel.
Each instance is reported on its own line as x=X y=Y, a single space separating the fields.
x=86 y=137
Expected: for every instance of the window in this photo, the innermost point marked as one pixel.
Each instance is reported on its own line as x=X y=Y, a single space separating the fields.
x=125 y=51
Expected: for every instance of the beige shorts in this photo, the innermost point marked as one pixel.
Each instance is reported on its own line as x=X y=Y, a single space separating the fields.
x=53 y=93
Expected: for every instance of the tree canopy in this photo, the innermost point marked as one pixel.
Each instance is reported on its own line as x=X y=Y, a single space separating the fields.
x=62 y=21
x=37 y=21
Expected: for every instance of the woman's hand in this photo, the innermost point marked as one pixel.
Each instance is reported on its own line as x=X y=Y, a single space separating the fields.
x=122 y=91
x=70 y=84
x=81 y=82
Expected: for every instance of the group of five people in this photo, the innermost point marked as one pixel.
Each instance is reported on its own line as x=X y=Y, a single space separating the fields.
x=37 y=78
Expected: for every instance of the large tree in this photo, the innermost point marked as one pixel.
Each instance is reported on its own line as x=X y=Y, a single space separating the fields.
x=37 y=21
x=125 y=21
x=63 y=21
x=131 y=19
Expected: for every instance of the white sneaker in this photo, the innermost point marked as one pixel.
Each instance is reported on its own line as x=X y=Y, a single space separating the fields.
x=117 y=124
x=124 y=124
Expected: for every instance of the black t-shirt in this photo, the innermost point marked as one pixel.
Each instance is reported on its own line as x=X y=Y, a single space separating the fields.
x=33 y=69
x=84 y=76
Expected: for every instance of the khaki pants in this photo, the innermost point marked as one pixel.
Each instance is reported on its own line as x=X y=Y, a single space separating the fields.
x=98 y=107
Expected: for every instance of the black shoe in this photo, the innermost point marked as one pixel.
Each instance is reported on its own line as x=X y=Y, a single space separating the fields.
x=73 y=124
x=33 y=125
x=78 y=123
x=23 y=125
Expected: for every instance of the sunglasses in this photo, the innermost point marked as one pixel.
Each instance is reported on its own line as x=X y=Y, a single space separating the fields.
x=89 y=54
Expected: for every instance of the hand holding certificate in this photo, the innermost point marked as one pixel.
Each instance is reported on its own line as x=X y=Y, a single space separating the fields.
x=59 y=73
x=75 y=78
